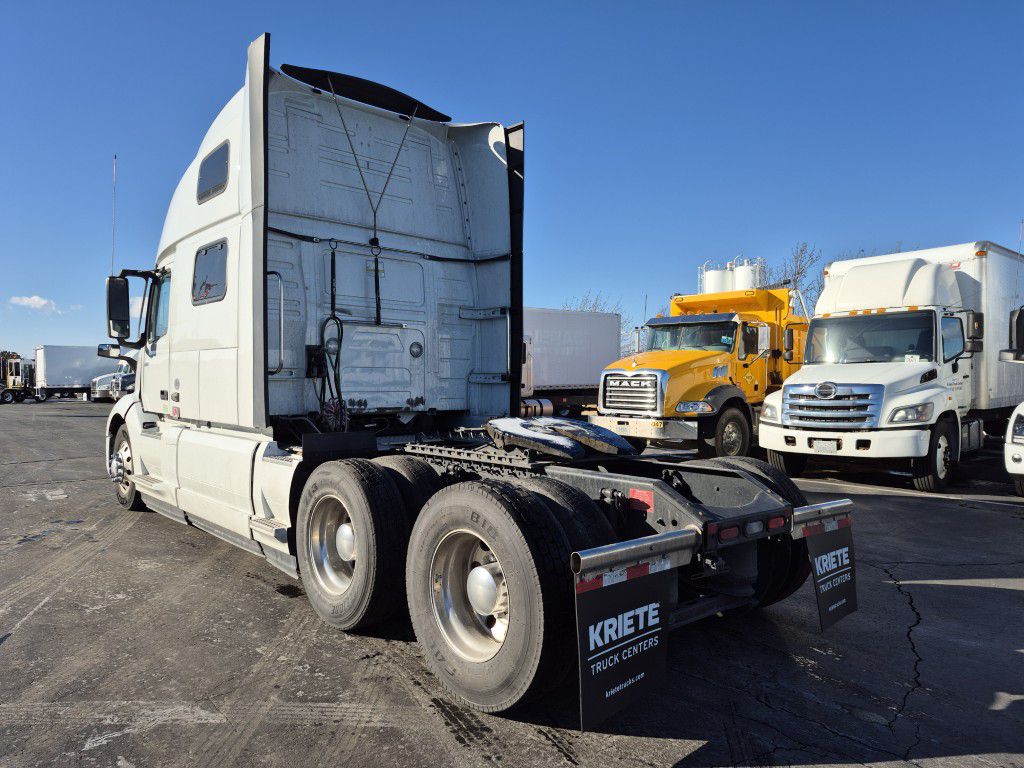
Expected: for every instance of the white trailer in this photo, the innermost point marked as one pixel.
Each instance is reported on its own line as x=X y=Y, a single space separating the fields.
x=65 y=371
x=329 y=378
x=900 y=363
x=564 y=352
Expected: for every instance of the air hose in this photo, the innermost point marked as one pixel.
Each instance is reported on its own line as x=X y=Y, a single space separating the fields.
x=332 y=406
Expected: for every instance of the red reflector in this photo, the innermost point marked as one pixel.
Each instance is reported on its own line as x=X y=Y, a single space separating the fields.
x=712 y=529
x=776 y=522
x=728 y=534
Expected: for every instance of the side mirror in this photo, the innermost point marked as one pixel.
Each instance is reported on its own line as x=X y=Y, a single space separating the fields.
x=788 y=354
x=972 y=345
x=1015 y=353
x=974 y=325
x=108 y=350
x=787 y=343
x=119 y=316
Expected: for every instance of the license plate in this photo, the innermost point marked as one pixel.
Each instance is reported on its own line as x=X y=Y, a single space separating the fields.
x=826 y=446
x=658 y=424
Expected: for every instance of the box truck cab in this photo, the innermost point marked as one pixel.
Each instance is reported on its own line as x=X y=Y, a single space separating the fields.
x=899 y=364
x=706 y=370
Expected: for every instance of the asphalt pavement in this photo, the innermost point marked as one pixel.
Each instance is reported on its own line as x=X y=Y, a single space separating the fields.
x=129 y=640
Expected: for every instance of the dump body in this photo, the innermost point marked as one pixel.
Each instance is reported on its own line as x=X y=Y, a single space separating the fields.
x=713 y=352
x=899 y=344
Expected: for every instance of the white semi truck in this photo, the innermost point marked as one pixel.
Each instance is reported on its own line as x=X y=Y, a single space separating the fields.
x=66 y=371
x=327 y=379
x=564 y=352
x=899 y=363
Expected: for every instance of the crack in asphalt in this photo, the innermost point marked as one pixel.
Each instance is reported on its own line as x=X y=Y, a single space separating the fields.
x=763 y=701
x=915 y=680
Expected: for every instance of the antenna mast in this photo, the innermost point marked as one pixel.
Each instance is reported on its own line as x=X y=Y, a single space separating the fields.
x=113 y=220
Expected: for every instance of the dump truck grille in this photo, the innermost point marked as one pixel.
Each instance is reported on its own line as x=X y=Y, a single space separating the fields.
x=832 y=406
x=637 y=393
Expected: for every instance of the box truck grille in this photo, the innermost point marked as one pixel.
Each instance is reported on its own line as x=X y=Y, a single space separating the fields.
x=832 y=406
x=631 y=394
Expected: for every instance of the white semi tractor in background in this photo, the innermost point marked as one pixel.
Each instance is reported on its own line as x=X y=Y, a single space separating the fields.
x=327 y=378
x=900 y=363
x=564 y=352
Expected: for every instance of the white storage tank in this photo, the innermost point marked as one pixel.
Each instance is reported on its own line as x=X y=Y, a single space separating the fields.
x=744 y=277
x=718 y=280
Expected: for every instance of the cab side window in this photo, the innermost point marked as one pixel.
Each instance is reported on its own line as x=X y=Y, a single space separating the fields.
x=160 y=309
x=952 y=338
x=209 y=279
x=749 y=340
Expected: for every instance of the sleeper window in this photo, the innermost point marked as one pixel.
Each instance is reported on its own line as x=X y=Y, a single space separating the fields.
x=209 y=280
x=213 y=173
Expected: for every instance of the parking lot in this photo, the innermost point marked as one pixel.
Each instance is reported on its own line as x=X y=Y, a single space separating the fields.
x=129 y=640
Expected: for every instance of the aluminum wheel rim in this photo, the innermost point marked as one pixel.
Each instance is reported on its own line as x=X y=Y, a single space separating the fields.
x=332 y=541
x=942 y=456
x=731 y=438
x=469 y=595
x=124 y=453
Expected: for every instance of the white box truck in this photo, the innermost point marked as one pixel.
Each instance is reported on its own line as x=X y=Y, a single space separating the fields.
x=899 y=363
x=64 y=371
x=564 y=352
x=334 y=386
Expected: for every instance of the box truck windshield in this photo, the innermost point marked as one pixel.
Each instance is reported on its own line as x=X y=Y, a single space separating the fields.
x=884 y=338
x=716 y=337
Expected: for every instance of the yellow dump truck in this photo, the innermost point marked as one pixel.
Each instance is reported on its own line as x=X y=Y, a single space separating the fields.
x=705 y=371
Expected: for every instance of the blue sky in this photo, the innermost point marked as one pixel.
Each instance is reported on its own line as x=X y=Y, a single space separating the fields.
x=659 y=135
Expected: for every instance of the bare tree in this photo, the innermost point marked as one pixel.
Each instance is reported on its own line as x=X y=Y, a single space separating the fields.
x=592 y=301
x=803 y=269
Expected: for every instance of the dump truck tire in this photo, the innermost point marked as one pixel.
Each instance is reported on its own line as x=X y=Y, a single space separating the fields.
x=415 y=479
x=789 y=464
x=732 y=433
x=128 y=495
x=584 y=523
x=351 y=537
x=784 y=558
x=490 y=594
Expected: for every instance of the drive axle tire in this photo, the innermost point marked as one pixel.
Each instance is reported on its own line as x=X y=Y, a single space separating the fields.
x=415 y=480
x=351 y=538
x=933 y=471
x=782 y=562
x=579 y=516
x=1018 y=486
x=490 y=594
x=789 y=464
x=128 y=495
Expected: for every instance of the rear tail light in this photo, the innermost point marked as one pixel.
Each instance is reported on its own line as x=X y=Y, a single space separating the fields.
x=774 y=523
x=728 y=534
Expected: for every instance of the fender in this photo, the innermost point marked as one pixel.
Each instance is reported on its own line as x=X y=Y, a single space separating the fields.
x=725 y=392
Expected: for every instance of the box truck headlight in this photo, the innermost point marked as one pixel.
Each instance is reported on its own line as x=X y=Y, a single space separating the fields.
x=912 y=413
x=769 y=413
x=693 y=406
x=1018 y=429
